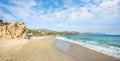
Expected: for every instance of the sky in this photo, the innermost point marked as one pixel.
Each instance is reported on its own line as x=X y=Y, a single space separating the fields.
x=95 y=16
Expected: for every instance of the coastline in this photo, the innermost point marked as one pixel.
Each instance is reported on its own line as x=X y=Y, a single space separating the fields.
x=48 y=49
x=81 y=52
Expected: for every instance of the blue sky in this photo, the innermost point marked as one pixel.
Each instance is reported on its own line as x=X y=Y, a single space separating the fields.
x=102 y=16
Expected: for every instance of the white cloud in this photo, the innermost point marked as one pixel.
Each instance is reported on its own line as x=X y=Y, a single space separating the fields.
x=107 y=10
x=23 y=3
x=7 y=17
x=24 y=10
x=86 y=1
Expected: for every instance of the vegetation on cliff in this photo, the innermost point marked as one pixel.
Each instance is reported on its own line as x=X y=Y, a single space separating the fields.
x=3 y=23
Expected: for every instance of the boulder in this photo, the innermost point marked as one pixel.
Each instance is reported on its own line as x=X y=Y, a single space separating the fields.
x=13 y=30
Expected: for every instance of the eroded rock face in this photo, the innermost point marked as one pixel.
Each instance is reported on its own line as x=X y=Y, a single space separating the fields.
x=13 y=30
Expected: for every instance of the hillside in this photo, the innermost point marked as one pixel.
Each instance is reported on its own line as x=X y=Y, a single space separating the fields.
x=44 y=30
x=47 y=32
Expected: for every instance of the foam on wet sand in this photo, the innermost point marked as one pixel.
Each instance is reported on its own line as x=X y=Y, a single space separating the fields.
x=81 y=52
x=47 y=49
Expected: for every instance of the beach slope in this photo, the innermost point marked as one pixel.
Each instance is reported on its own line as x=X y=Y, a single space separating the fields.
x=36 y=49
x=47 y=49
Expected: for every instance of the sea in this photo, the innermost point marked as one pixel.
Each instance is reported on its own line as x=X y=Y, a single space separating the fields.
x=107 y=44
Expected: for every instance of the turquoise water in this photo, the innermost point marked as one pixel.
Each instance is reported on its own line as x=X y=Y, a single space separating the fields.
x=104 y=40
x=107 y=44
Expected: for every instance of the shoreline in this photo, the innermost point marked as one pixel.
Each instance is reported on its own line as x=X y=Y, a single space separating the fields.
x=77 y=50
x=48 y=48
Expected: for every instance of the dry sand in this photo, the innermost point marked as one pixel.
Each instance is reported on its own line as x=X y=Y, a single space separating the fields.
x=42 y=49
x=36 y=49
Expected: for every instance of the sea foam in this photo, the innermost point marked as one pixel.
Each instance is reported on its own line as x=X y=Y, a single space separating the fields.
x=109 y=50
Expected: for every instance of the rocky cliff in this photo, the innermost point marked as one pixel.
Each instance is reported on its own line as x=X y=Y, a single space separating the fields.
x=13 y=30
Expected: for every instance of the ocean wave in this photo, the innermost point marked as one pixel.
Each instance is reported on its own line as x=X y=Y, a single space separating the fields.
x=108 y=50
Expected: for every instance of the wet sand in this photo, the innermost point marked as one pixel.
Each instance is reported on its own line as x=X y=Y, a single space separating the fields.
x=82 y=53
x=44 y=49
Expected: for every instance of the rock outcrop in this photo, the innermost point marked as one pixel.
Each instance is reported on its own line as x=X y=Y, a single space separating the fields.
x=13 y=30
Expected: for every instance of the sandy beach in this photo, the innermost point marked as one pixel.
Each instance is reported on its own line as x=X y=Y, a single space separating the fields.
x=36 y=49
x=45 y=49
